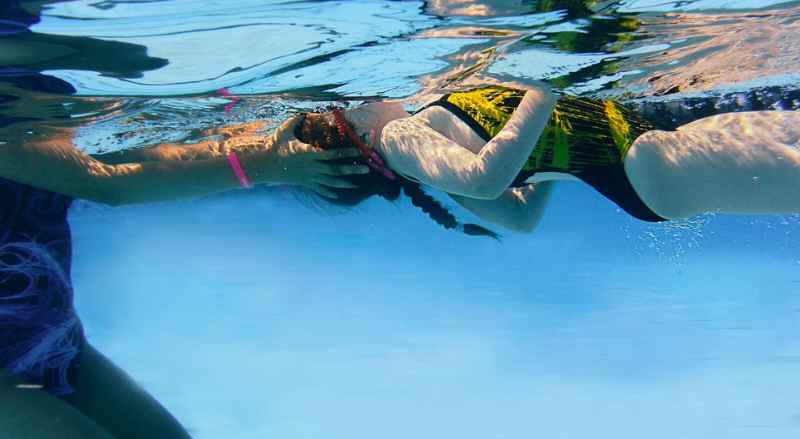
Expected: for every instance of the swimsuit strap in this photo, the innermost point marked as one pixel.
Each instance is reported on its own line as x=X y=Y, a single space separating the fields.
x=486 y=110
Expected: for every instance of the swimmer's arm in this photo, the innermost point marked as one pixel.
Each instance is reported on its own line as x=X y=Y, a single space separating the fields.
x=519 y=209
x=415 y=149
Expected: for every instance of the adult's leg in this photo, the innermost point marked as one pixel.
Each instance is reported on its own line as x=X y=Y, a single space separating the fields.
x=35 y=414
x=734 y=163
x=109 y=397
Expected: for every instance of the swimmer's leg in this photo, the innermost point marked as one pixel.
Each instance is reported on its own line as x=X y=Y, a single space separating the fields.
x=35 y=414
x=733 y=163
x=108 y=396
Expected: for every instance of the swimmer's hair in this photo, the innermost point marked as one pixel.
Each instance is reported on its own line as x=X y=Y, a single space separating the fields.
x=319 y=130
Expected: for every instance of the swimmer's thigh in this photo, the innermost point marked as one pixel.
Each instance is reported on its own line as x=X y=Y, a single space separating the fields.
x=36 y=414
x=112 y=399
x=746 y=162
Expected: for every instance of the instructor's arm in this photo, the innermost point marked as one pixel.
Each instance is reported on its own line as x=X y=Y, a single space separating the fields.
x=52 y=162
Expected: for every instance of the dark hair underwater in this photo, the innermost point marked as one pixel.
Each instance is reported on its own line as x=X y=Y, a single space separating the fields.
x=320 y=130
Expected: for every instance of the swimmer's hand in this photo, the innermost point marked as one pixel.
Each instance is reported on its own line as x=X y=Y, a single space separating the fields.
x=293 y=162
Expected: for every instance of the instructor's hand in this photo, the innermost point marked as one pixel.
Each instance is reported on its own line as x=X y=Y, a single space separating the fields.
x=293 y=162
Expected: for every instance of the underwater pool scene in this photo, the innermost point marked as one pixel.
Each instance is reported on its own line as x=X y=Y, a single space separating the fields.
x=269 y=313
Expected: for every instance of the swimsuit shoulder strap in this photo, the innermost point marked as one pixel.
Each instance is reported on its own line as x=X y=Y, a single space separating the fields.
x=486 y=110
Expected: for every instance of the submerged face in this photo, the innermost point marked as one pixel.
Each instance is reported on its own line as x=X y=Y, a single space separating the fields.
x=368 y=120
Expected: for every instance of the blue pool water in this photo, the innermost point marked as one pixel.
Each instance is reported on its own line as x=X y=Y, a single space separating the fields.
x=260 y=314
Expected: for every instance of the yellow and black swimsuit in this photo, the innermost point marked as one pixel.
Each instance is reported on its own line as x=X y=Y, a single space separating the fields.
x=586 y=138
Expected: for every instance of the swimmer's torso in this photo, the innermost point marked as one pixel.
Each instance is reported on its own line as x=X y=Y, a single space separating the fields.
x=584 y=138
x=581 y=134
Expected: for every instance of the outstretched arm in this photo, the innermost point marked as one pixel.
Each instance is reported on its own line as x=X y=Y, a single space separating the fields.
x=52 y=162
x=238 y=137
x=519 y=209
x=413 y=148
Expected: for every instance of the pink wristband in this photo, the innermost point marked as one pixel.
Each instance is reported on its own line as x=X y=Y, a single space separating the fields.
x=233 y=160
